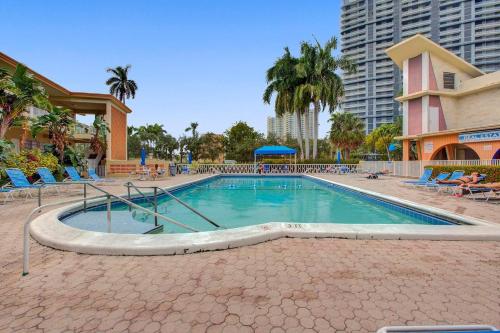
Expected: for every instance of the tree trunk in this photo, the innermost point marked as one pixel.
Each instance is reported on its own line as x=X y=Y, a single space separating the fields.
x=299 y=134
x=4 y=127
x=307 y=128
x=315 y=129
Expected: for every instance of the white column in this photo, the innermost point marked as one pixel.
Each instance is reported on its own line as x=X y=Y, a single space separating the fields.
x=108 y=120
x=405 y=118
x=405 y=77
x=425 y=114
x=425 y=71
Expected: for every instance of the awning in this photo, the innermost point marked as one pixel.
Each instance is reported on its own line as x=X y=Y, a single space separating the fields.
x=274 y=150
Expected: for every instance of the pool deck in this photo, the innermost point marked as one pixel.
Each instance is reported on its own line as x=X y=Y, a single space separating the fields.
x=294 y=285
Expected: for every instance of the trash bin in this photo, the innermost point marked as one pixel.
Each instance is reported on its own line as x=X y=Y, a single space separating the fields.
x=173 y=169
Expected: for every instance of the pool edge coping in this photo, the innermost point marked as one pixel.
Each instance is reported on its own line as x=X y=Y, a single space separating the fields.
x=48 y=230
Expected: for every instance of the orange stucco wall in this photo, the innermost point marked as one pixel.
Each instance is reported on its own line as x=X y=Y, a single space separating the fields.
x=485 y=150
x=118 y=135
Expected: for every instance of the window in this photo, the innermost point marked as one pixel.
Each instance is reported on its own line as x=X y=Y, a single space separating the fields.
x=449 y=80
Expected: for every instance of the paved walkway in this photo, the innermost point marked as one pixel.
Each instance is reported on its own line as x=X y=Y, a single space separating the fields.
x=294 y=285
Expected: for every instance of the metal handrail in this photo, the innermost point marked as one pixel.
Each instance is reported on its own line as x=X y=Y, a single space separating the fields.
x=181 y=202
x=26 y=245
x=130 y=203
x=189 y=207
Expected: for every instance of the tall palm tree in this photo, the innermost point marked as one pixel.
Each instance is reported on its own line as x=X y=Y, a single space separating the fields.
x=347 y=132
x=282 y=80
x=18 y=92
x=323 y=86
x=59 y=122
x=119 y=83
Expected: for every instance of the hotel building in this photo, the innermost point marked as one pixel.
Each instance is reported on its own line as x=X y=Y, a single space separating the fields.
x=286 y=126
x=451 y=108
x=113 y=111
x=469 y=29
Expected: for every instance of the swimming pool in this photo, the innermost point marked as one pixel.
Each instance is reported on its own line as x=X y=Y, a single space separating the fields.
x=239 y=201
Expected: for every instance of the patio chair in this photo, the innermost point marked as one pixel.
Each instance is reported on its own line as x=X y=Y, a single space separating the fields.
x=487 y=193
x=424 y=178
x=441 y=176
x=19 y=181
x=46 y=177
x=437 y=329
x=454 y=175
x=456 y=189
x=94 y=176
x=74 y=176
x=185 y=170
x=267 y=168
x=8 y=194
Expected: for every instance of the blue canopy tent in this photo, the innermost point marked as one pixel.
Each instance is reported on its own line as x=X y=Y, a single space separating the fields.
x=275 y=150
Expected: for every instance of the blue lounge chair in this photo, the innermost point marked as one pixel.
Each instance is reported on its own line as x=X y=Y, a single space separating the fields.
x=441 y=176
x=19 y=181
x=185 y=170
x=267 y=168
x=94 y=176
x=454 y=175
x=46 y=177
x=74 y=176
x=425 y=178
x=456 y=189
x=487 y=193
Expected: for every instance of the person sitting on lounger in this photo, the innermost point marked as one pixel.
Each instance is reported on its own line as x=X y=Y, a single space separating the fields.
x=472 y=179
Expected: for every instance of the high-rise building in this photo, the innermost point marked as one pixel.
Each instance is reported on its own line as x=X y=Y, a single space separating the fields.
x=286 y=125
x=468 y=28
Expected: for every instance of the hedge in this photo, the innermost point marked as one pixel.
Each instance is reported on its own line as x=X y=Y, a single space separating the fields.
x=492 y=172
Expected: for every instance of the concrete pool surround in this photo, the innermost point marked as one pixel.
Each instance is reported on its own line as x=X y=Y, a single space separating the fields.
x=48 y=230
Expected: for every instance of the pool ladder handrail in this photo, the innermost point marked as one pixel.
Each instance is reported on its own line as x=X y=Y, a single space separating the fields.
x=107 y=195
x=156 y=188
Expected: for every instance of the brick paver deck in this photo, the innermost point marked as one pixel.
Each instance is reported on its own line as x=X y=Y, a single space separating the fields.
x=294 y=285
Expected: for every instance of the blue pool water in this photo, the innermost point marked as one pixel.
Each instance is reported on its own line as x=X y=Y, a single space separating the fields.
x=236 y=201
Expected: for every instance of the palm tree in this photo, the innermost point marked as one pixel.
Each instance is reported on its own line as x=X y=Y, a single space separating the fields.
x=193 y=141
x=347 y=132
x=98 y=140
x=59 y=122
x=282 y=80
x=322 y=85
x=18 y=92
x=120 y=85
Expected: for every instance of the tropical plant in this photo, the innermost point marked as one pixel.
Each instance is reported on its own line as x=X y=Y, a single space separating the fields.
x=192 y=143
x=211 y=146
x=5 y=149
x=240 y=142
x=166 y=147
x=29 y=160
x=18 y=92
x=283 y=81
x=133 y=143
x=383 y=136
x=59 y=122
x=119 y=83
x=75 y=156
x=98 y=141
x=347 y=132
x=321 y=86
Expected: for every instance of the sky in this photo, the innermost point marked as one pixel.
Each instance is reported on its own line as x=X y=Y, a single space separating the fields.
x=202 y=61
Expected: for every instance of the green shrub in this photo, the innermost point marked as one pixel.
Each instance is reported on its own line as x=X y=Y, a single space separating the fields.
x=492 y=172
x=29 y=160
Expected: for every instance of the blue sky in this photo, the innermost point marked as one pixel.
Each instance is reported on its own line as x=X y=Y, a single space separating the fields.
x=201 y=61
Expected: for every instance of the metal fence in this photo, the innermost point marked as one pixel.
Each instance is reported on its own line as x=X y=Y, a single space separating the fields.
x=267 y=168
x=415 y=168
